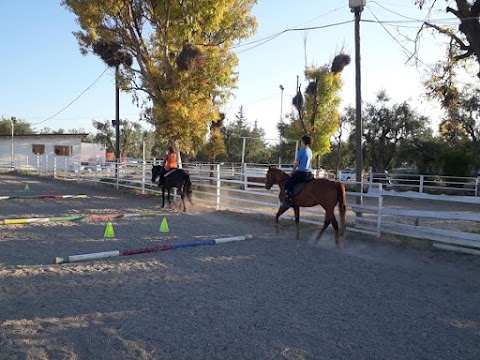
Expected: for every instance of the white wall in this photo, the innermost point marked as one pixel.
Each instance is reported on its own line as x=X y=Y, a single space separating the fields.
x=22 y=150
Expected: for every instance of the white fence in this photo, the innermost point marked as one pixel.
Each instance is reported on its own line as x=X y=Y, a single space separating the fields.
x=449 y=221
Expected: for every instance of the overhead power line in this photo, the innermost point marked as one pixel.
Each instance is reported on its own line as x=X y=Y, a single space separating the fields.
x=74 y=100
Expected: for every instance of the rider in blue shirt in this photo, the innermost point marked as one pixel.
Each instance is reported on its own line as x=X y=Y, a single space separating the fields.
x=302 y=169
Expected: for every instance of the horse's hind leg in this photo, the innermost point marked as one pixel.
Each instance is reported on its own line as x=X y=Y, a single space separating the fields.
x=326 y=222
x=337 y=235
x=296 y=210
x=330 y=219
x=325 y=225
x=182 y=196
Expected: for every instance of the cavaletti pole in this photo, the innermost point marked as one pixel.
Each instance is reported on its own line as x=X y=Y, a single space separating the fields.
x=127 y=252
x=43 y=197
x=73 y=218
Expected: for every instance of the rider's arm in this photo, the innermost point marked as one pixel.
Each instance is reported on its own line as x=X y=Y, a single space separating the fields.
x=295 y=166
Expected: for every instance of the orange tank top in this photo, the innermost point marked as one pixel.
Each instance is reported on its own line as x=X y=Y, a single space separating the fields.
x=171 y=161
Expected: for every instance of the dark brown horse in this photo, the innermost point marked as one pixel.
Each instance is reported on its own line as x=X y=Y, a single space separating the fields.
x=324 y=192
x=175 y=178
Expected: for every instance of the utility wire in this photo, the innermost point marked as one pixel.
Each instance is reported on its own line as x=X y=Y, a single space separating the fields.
x=278 y=34
x=74 y=100
x=398 y=42
x=295 y=29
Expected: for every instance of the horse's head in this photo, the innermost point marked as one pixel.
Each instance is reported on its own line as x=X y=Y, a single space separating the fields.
x=273 y=177
x=155 y=172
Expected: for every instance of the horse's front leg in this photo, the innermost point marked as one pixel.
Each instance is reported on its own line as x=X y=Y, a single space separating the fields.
x=296 y=210
x=163 y=197
x=168 y=196
x=280 y=211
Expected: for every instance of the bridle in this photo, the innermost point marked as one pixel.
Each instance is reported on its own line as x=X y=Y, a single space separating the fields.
x=270 y=181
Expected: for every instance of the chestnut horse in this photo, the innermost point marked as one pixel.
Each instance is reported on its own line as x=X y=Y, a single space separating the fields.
x=324 y=192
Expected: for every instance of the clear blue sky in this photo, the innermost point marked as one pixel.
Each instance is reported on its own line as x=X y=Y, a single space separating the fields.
x=43 y=70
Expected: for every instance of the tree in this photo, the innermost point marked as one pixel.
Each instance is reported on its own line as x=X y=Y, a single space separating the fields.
x=385 y=127
x=254 y=143
x=216 y=143
x=182 y=56
x=465 y=41
x=21 y=127
x=131 y=137
x=317 y=107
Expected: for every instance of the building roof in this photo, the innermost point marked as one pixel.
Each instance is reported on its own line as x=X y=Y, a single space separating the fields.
x=81 y=135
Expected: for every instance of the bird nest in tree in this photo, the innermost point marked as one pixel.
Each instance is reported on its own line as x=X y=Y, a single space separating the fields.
x=298 y=100
x=112 y=53
x=339 y=62
x=311 y=88
x=189 y=57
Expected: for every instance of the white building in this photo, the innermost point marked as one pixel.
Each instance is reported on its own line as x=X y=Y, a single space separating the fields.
x=48 y=151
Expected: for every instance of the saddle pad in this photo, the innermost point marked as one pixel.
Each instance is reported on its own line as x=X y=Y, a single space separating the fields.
x=169 y=172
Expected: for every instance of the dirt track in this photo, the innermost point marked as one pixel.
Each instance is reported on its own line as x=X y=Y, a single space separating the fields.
x=269 y=298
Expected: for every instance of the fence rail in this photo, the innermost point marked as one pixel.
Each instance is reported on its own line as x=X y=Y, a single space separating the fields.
x=381 y=209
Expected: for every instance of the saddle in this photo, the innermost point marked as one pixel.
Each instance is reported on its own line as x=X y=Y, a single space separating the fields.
x=299 y=186
x=169 y=172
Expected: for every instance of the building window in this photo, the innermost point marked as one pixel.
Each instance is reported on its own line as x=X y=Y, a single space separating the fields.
x=63 y=150
x=38 y=149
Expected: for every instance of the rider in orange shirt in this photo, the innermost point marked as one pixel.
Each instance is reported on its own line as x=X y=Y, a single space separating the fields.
x=169 y=163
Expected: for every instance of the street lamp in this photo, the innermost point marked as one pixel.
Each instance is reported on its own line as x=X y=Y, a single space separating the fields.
x=14 y=120
x=357 y=7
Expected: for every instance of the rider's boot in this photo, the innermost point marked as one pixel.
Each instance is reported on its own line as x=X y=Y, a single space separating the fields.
x=288 y=200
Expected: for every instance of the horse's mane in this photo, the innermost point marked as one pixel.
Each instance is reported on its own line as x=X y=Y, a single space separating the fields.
x=280 y=171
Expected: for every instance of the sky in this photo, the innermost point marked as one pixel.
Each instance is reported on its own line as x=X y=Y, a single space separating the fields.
x=48 y=83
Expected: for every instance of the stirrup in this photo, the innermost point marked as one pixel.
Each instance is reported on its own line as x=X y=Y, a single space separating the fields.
x=287 y=203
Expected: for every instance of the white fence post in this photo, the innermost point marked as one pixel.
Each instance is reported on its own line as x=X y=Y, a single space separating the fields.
x=46 y=165
x=370 y=178
x=379 y=211
x=55 y=167
x=420 y=190
x=218 y=184
x=245 y=179
x=144 y=164
x=476 y=186
x=117 y=177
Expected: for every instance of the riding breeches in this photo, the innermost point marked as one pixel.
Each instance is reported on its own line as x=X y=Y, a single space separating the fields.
x=297 y=177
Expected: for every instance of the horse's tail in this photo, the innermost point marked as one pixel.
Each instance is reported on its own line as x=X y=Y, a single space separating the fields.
x=342 y=206
x=187 y=188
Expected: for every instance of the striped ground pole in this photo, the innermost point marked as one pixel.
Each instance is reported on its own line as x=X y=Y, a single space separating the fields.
x=127 y=252
x=73 y=218
x=81 y=196
x=41 y=220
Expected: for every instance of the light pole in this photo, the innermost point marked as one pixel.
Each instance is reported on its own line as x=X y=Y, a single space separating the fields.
x=357 y=7
x=14 y=120
x=281 y=102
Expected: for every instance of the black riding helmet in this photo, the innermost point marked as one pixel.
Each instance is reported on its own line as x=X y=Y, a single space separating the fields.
x=307 y=140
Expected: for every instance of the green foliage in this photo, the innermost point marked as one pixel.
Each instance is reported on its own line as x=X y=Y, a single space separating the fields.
x=319 y=116
x=385 y=127
x=215 y=145
x=254 y=144
x=21 y=127
x=132 y=137
x=456 y=162
x=424 y=153
x=185 y=88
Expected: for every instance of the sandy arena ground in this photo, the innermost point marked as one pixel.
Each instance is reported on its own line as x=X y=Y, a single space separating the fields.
x=268 y=298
